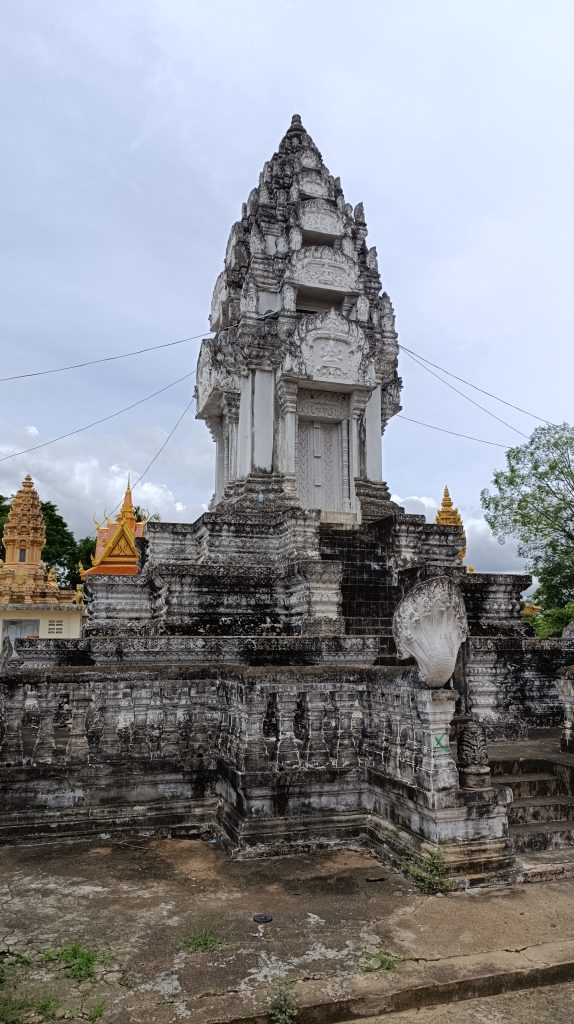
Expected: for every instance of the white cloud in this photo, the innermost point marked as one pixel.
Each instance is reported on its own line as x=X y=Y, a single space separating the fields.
x=87 y=476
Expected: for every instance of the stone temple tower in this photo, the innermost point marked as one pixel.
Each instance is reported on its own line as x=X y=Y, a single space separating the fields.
x=300 y=380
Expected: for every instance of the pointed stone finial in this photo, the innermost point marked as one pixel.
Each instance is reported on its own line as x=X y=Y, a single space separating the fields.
x=296 y=124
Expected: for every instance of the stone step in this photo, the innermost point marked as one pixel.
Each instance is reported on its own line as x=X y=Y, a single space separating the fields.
x=521 y=766
x=545 y=865
x=542 y=836
x=541 y=809
x=528 y=784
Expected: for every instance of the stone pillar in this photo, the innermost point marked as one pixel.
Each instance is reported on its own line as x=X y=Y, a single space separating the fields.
x=358 y=401
x=231 y=414
x=215 y=426
x=287 y=435
x=244 y=428
x=565 y=690
x=373 y=461
x=436 y=769
x=263 y=420
x=78 y=747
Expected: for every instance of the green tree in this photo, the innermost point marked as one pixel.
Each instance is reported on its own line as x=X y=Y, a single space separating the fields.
x=61 y=550
x=85 y=548
x=533 y=502
x=4 y=510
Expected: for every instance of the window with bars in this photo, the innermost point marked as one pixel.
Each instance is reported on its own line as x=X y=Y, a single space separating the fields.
x=55 y=627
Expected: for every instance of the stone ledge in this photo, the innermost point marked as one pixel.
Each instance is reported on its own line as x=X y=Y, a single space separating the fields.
x=419 y=983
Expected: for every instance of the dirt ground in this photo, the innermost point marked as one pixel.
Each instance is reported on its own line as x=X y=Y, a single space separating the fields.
x=142 y=903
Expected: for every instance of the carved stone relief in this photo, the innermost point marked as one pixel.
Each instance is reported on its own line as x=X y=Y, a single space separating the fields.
x=323 y=267
x=430 y=624
x=317 y=215
x=324 y=405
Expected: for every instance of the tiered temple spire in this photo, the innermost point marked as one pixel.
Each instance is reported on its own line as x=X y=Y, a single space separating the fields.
x=24 y=578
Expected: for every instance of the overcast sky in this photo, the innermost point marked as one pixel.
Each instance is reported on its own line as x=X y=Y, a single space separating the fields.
x=134 y=129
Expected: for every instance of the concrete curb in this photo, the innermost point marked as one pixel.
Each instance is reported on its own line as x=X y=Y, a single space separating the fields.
x=366 y=998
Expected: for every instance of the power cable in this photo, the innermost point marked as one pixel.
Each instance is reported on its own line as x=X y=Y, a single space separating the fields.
x=126 y=355
x=103 y=419
x=265 y=316
x=411 y=352
x=156 y=456
x=453 y=432
x=103 y=359
x=467 y=397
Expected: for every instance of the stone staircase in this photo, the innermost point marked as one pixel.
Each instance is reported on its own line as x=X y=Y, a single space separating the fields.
x=369 y=594
x=541 y=817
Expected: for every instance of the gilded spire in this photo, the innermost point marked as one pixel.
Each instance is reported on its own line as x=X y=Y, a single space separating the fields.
x=128 y=514
x=447 y=515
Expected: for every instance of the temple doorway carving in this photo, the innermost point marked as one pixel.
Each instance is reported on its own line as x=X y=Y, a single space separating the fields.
x=320 y=465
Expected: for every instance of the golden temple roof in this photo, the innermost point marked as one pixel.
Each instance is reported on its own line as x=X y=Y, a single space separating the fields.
x=116 y=551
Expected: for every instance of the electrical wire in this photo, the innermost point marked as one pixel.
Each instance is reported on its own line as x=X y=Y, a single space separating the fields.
x=126 y=355
x=165 y=443
x=265 y=316
x=454 y=433
x=467 y=397
x=103 y=419
x=103 y=359
x=156 y=456
x=411 y=352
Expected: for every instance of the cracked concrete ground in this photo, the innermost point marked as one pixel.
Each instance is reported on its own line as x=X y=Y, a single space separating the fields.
x=139 y=900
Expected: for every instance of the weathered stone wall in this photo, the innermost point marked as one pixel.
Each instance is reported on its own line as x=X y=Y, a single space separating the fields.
x=295 y=757
x=86 y=750
x=511 y=682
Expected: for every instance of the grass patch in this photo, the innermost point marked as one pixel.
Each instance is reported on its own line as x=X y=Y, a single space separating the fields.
x=79 y=960
x=379 y=961
x=95 y=1012
x=47 y=1007
x=13 y=1008
x=284 y=1005
x=430 y=876
x=207 y=940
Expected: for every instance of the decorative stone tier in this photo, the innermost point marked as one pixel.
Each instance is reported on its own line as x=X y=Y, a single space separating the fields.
x=511 y=682
x=297 y=757
x=128 y=651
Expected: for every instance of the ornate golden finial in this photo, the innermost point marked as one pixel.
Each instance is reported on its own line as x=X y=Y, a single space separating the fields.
x=128 y=512
x=448 y=515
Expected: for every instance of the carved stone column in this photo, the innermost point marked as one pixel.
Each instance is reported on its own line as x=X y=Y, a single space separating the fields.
x=565 y=690
x=231 y=415
x=78 y=746
x=287 y=435
x=436 y=769
x=357 y=440
x=216 y=430
x=472 y=756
